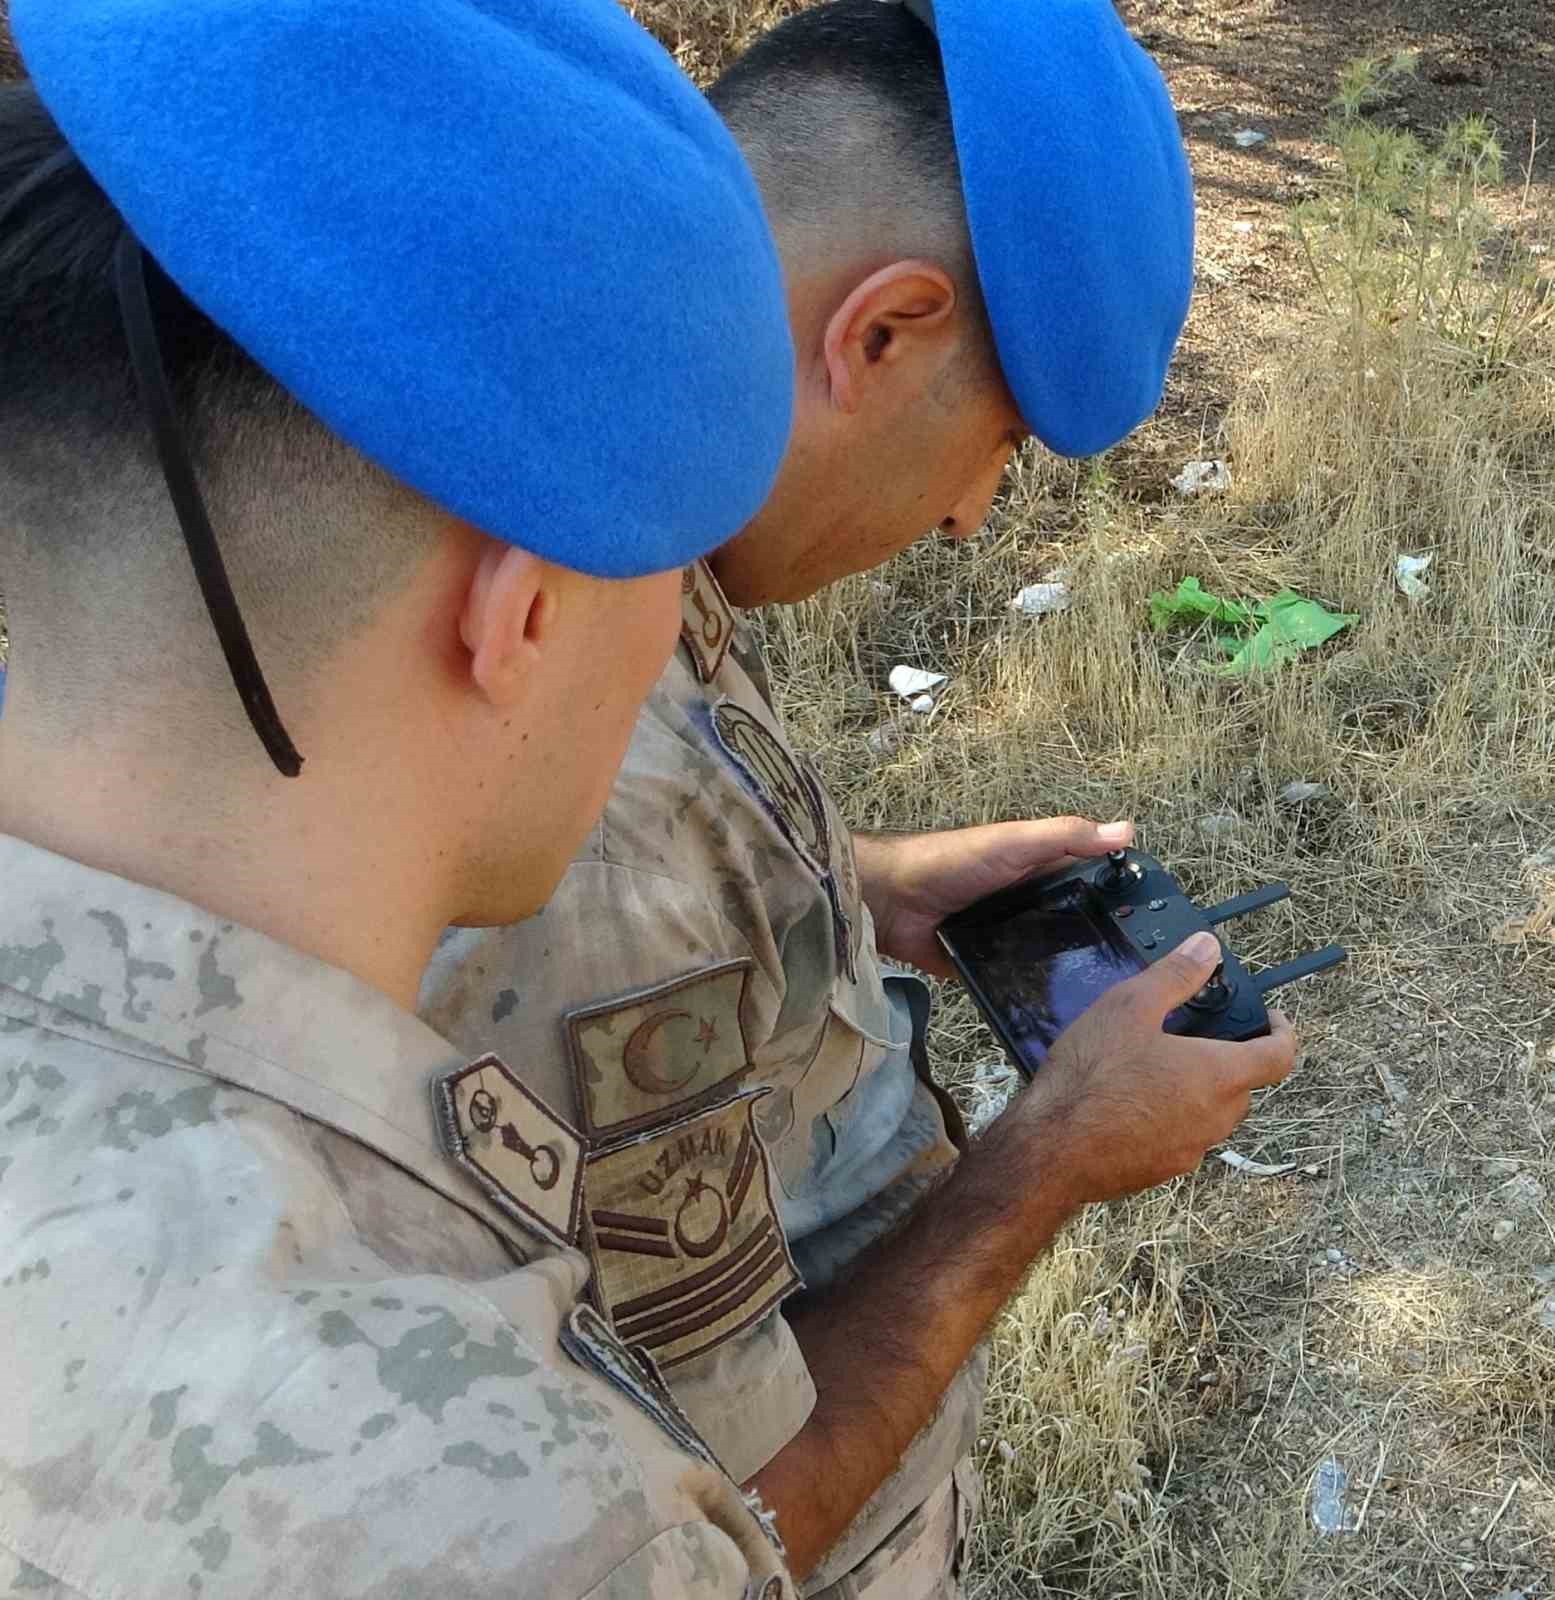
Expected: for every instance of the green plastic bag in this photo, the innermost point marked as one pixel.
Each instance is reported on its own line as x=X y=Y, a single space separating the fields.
x=1191 y=601
x=1285 y=625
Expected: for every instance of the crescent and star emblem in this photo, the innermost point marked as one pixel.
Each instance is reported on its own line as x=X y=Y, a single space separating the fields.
x=637 y=1062
x=700 y=1249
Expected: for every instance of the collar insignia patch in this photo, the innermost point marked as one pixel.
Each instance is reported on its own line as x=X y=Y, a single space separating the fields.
x=706 y=620
x=686 y=1243
x=661 y=1050
x=529 y=1162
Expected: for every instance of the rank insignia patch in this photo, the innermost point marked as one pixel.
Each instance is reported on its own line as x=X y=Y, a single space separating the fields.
x=686 y=1243
x=706 y=620
x=521 y=1153
x=659 y=1051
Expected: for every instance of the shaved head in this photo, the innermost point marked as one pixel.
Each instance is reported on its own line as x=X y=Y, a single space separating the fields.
x=103 y=609
x=843 y=115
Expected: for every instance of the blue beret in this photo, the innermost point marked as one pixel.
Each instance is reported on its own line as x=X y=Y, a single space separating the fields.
x=1080 y=207
x=503 y=247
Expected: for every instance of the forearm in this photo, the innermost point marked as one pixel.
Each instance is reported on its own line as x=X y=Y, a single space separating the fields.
x=884 y=1345
x=874 y=853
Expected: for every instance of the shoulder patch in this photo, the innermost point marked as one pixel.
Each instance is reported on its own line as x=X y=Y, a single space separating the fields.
x=516 y=1148
x=789 y=793
x=706 y=620
x=685 y=1240
x=659 y=1051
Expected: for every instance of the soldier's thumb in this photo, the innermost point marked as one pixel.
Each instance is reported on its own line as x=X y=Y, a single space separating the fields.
x=1179 y=976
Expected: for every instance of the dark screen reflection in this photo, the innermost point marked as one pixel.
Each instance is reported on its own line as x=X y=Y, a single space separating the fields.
x=1040 y=968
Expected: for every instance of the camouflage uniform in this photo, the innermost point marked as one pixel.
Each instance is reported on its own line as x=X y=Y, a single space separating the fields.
x=262 y=1335
x=712 y=954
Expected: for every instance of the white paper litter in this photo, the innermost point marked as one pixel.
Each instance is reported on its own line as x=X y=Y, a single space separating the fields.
x=1197 y=476
x=922 y=704
x=1241 y=227
x=910 y=682
x=1256 y=1169
x=1037 y=599
x=1410 y=574
x=1247 y=138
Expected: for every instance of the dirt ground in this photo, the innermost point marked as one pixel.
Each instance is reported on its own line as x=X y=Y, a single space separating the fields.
x=1270 y=66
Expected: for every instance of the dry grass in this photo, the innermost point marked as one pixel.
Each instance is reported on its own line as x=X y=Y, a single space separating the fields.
x=1177 y=1367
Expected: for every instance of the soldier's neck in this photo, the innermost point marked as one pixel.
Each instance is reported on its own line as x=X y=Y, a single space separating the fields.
x=358 y=886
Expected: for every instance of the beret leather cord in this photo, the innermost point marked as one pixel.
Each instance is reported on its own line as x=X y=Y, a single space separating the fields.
x=129 y=272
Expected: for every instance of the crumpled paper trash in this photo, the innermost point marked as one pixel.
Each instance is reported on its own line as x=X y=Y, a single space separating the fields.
x=1197 y=476
x=1409 y=572
x=911 y=682
x=1038 y=599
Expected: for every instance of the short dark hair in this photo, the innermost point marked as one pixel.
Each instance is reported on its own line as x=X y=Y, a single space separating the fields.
x=10 y=61
x=62 y=347
x=91 y=558
x=843 y=114
x=874 y=45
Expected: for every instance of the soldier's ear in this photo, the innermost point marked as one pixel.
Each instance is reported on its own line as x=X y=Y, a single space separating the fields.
x=506 y=621
x=893 y=327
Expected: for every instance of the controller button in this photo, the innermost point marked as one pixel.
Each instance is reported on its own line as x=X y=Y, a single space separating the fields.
x=1158 y=905
x=1123 y=911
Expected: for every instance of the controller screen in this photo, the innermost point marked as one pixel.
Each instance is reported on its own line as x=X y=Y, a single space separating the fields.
x=1038 y=968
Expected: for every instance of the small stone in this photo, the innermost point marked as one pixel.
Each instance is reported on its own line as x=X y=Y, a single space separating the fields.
x=1006 y=1450
x=1247 y=138
x=1504 y=1229
x=1333 y=1255
x=1241 y=227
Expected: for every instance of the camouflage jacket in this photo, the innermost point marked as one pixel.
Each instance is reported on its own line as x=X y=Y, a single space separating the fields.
x=261 y=1334
x=709 y=950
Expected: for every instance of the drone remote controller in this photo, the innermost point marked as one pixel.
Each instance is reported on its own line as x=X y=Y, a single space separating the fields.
x=1034 y=956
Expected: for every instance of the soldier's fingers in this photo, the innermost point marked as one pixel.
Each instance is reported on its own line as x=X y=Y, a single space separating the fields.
x=1174 y=978
x=1261 y=1063
x=1079 y=837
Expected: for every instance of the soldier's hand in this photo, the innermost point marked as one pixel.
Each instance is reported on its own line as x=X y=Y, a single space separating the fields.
x=1127 y=1106
x=912 y=882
